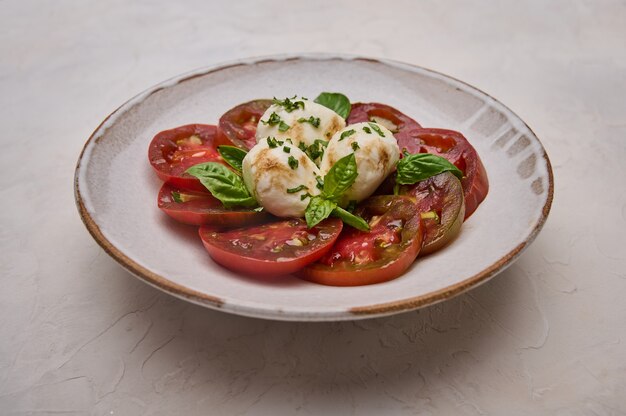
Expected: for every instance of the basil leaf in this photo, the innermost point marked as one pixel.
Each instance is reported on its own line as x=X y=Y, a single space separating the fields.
x=288 y=104
x=296 y=189
x=417 y=167
x=340 y=177
x=351 y=219
x=314 y=121
x=318 y=210
x=346 y=133
x=283 y=127
x=316 y=150
x=377 y=129
x=232 y=155
x=337 y=102
x=223 y=183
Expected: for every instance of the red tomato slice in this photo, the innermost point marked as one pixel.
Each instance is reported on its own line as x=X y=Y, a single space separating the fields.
x=201 y=208
x=439 y=200
x=238 y=124
x=453 y=146
x=361 y=258
x=276 y=248
x=397 y=122
x=172 y=152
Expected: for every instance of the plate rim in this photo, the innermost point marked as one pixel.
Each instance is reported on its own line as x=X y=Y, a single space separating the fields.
x=276 y=313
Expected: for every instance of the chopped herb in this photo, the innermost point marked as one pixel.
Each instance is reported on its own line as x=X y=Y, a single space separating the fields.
x=316 y=150
x=377 y=129
x=272 y=142
x=314 y=121
x=293 y=162
x=355 y=146
x=283 y=126
x=346 y=133
x=176 y=197
x=276 y=120
x=320 y=182
x=286 y=149
x=337 y=102
x=367 y=130
x=273 y=120
x=296 y=189
x=288 y=104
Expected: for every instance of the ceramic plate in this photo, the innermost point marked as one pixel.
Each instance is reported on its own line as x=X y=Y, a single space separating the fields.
x=116 y=190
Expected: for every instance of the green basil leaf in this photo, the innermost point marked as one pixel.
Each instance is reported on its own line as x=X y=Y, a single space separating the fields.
x=377 y=129
x=346 y=133
x=417 y=167
x=340 y=177
x=351 y=219
x=232 y=155
x=318 y=210
x=316 y=150
x=283 y=127
x=296 y=189
x=223 y=183
x=337 y=102
x=289 y=104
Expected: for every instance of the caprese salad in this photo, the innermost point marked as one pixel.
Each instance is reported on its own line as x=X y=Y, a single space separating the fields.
x=337 y=193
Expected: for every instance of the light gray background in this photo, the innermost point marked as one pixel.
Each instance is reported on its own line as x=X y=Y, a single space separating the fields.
x=79 y=335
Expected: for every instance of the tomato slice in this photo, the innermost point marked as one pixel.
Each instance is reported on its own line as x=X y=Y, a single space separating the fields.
x=453 y=146
x=439 y=200
x=238 y=124
x=276 y=248
x=172 y=152
x=396 y=121
x=361 y=258
x=201 y=208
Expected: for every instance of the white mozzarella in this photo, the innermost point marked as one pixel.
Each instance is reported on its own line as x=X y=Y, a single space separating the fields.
x=300 y=131
x=268 y=174
x=376 y=157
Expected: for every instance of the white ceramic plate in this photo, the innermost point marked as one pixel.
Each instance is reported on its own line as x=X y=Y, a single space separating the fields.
x=116 y=189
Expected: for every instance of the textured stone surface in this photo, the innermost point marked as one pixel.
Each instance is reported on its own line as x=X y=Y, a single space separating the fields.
x=79 y=335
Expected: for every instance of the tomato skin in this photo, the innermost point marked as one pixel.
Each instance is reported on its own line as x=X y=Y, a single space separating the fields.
x=238 y=125
x=204 y=209
x=442 y=195
x=453 y=146
x=172 y=152
x=376 y=264
x=362 y=112
x=243 y=250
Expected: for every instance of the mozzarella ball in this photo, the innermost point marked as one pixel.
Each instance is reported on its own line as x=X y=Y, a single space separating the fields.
x=303 y=124
x=376 y=152
x=271 y=168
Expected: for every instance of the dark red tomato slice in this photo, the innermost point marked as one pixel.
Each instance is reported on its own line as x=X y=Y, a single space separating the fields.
x=453 y=146
x=201 y=208
x=238 y=124
x=397 y=122
x=272 y=249
x=361 y=258
x=174 y=151
x=439 y=200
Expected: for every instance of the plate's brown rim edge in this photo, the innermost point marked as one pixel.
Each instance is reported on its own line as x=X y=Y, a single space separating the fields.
x=362 y=311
